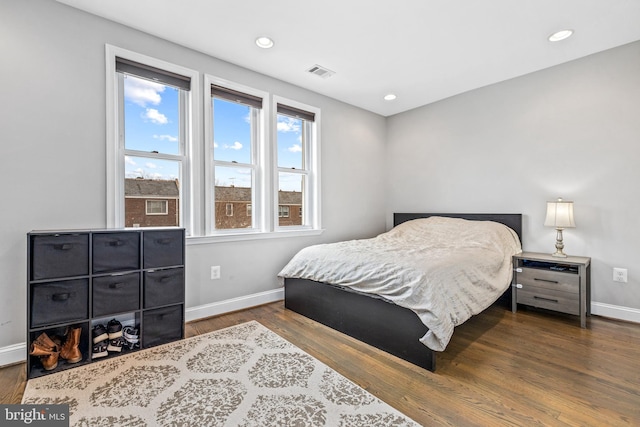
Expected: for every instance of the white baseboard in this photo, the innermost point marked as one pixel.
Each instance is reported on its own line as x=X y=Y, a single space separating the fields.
x=616 y=312
x=11 y=354
x=234 y=304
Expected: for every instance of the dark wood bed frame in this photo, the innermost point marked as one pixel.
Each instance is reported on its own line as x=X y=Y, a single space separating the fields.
x=374 y=320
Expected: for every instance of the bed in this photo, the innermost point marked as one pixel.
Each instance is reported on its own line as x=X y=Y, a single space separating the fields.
x=374 y=319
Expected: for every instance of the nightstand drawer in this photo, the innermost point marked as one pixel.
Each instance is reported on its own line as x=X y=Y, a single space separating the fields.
x=552 y=280
x=564 y=302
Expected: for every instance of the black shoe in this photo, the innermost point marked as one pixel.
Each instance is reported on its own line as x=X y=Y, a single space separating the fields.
x=114 y=328
x=131 y=337
x=115 y=345
x=99 y=350
x=99 y=333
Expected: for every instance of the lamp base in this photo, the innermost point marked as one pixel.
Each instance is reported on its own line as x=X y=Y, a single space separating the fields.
x=559 y=245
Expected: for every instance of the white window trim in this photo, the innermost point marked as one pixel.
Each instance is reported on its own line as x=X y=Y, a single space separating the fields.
x=190 y=207
x=312 y=200
x=267 y=190
x=223 y=238
x=259 y=159
x=197 y=171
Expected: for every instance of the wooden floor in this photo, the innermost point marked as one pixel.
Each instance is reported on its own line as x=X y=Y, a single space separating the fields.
x=525 y=369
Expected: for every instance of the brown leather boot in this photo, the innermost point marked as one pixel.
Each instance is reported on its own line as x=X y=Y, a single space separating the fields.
x=48 y=356
x=70 y=350
x=45 y=341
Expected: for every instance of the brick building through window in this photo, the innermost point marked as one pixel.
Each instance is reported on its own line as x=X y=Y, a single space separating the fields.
x=233 y=207
x=151 y=202
x=155 y=203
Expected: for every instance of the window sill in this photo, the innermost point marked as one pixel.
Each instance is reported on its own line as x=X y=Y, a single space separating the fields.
x=221 y=238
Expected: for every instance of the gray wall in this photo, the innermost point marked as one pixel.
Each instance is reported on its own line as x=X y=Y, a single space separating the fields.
x=570 y=131
x=52 y=118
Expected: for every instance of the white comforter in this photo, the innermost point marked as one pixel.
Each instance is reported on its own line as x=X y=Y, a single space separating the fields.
x=444 y=269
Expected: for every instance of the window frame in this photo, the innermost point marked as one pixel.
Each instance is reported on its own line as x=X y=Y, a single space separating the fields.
x=265 y=197
x=284 y=211
x=164 y=203
x=115 y=152
x=196 y=173
x=258 y=155
x=311 y=201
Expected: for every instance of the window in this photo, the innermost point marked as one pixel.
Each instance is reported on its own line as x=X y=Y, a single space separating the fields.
x=149 y=133
x=253 y=174
x=297 y=164
x=236 y=142
x=157 y=207
x=283 y=211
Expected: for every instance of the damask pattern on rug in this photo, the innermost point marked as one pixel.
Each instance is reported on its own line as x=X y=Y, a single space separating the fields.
x=245 y=376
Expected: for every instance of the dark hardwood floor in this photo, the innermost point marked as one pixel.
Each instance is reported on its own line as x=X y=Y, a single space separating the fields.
x=532 y=368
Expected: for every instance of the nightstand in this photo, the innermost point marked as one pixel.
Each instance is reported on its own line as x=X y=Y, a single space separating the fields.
x=559 y=284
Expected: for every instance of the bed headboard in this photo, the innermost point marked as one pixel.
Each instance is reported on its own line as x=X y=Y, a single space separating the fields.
x=513 y=221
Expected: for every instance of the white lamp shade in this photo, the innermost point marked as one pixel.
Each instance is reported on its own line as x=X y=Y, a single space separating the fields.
x=560 y=214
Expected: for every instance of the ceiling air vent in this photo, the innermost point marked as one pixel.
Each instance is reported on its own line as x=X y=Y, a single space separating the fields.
x=320 y=71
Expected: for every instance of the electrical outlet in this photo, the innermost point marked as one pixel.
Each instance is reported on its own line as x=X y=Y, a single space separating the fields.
x=620 y=275
x=215 y=272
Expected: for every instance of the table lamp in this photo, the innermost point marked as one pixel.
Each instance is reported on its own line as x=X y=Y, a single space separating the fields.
x=560 y=216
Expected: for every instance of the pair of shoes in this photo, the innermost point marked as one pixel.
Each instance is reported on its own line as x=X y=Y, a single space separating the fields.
x=47 y=350
x=131 y=337
x=107 y=339
x=50 y=350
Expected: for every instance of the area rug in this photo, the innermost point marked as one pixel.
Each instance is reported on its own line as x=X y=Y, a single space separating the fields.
x=245 y=375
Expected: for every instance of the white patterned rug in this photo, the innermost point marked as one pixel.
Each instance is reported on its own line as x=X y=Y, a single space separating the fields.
x=245 y=375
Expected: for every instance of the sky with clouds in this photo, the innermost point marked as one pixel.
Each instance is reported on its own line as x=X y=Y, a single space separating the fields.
x=152 y=125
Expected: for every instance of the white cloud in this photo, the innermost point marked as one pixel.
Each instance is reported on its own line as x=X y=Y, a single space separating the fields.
x=142 y=92
x=169 y=138
x=155 y=116
x=128 y=160
x=295 y=148
x=151 y=165
x=136 y=173
x=288 y=124
x=148 y=174
x=236 y=146
x=215 y=144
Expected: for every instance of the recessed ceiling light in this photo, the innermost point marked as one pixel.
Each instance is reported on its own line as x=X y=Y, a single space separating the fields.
x=264 y=42
x=390 y=97
x=560 y=35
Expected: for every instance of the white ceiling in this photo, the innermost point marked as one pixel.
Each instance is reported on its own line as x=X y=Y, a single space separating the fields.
x=421 y=50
